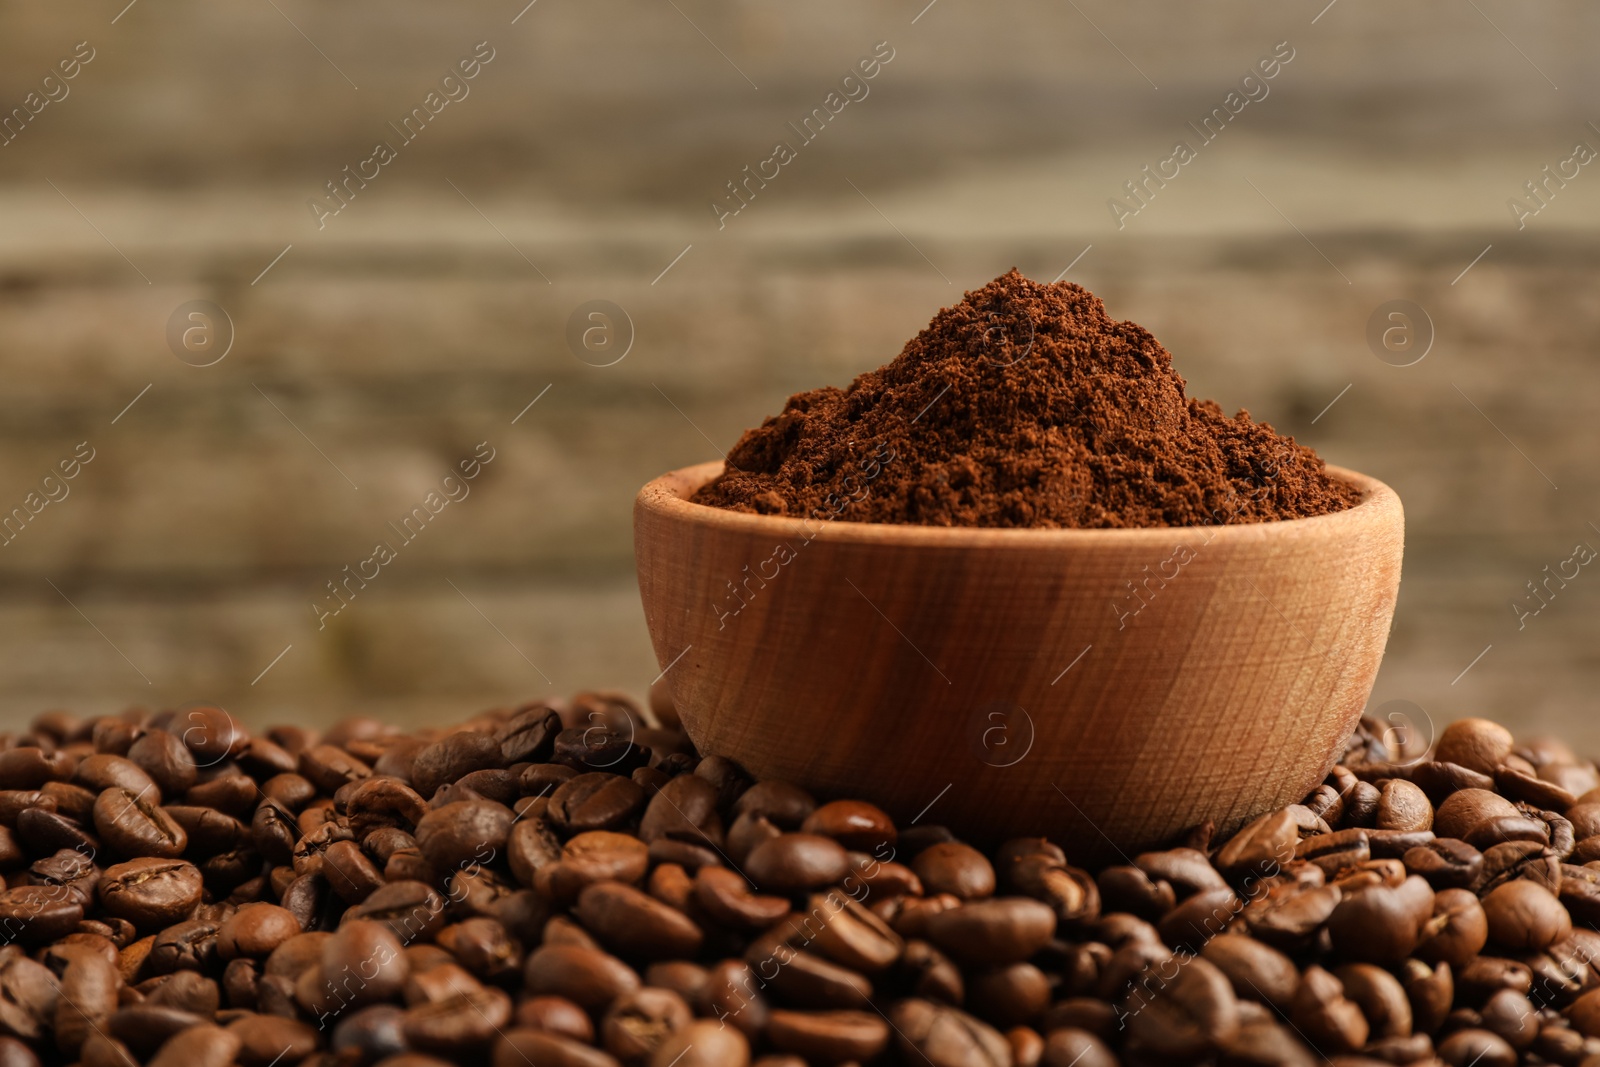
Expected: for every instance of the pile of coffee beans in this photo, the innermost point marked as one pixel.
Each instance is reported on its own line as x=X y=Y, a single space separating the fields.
x=570 y=885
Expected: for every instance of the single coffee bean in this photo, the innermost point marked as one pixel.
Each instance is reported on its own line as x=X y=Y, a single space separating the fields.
x=1325 y=1015
x=996 y=931
x=199 y=1046
x=36 y=914
x=264 y=1039
x=632 y=923
x=784 y=805
x=855 y=824
x=1254 y=969
x=1184 y=1016
x=1403 y=806
x=588 y=977
x=149 y=892
x=728 y=899
x=829 y=1036
x=638 y=1022
x=1446 y=862
x=146 y=1027
x=255 y=930
x=349 y=872
x=468 y=831
x=185 y=946
x=1476 y=1048
x=28 y=994
x=185 y=990
x=1262 y=846
x=1071 y=1047
x=703 y=1043
x=89 y=988
x=1009 y=996
x=329 y=767
x=132 y=824
x=684 y=809
x=946 y=1037
x=594 y=801
x=1458 y=930
x=1476 y=744
x=1523 y=915
x=1380 y=997
x=529 y=736
x=523 y=1045
x=795 y=862
x=1381 y=924
x=953 y=868
x=1465 y=809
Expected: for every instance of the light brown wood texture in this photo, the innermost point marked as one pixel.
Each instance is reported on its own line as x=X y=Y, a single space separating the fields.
x=945 y=669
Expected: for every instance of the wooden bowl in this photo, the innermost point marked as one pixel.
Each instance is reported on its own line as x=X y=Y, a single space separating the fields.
x=1108 y=688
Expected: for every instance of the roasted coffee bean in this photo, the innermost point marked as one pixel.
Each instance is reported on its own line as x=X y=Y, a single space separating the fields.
x=522 y=1046
x=1325 y=1015
x=997 y=931
x=350 y=873
x=829 y=1036
x=1476 y=1048
x=1458 y=814
x=274 y=831
x=638 y=1022
x=728 y=899
x=133 y=824
x=149 y=892
x=28 y=995
x=632 y=923
x=184 y=946
x=329 y=767
x=1008 y=996
x=1381 y=924
x=88 y=996
x=1402 y=806
x=1523 y=915
x=1071 y=1047
x=453 y=757
x=529 y=736
x=784 y=805
x=599 y=748
x=588 y=977
x=946 y=1037
x=1447 y=863
x=796 y=862
x=29 y=768
x=1255 y=970
x=43 y=832
x=684 y=809
x=1440 y=778
x=255 y=930
x=36 y=914
x=483 y=947
x=185 y=990
x=855 y=824
x=1184 y=1016
x=594 y=801
x=466 y=832
x=952 y=867
x=1477 y=744
x=146 y=1027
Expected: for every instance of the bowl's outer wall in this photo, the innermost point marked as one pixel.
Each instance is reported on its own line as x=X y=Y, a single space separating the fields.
x=854 y=664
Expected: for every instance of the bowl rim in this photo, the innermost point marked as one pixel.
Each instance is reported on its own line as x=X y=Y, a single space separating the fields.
x=667 y=496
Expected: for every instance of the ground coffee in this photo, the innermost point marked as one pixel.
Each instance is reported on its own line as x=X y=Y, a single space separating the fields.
x=1023 y=405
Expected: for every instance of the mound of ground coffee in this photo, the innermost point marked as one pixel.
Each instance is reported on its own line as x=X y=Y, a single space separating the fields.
x=1023 y=405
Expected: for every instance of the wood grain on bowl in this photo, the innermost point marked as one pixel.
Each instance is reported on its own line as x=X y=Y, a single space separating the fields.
x=1112 y=687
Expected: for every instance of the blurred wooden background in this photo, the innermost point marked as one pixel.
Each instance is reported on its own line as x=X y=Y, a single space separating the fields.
x=378 y=351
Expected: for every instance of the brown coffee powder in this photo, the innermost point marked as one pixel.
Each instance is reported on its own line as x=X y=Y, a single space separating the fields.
x=1023 y=405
